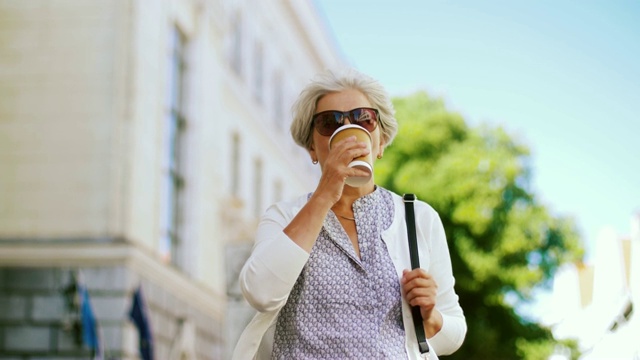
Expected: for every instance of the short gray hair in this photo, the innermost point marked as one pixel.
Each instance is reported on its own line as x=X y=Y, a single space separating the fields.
x=331 y=81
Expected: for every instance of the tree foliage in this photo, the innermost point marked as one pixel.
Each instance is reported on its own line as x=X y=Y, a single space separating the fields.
x=503 y=242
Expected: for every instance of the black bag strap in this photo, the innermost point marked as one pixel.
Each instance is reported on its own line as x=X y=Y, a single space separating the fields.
x=410 y=217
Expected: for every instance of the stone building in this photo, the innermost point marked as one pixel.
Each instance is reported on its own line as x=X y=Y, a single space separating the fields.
x=139 y=143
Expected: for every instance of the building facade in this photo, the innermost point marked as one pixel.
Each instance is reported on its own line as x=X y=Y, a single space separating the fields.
x=597 y=304
x=140 y=142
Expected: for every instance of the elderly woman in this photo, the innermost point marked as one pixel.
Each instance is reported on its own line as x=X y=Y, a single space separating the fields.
x=330 y=271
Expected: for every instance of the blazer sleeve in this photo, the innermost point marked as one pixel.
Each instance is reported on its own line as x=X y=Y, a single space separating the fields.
x=275 y=262
x=454 y=327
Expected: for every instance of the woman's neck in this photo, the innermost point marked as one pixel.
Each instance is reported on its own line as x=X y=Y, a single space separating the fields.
x=350 y=195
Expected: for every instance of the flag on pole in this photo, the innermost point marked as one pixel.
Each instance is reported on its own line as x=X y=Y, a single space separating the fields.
x=138 y=314
x=90 y=336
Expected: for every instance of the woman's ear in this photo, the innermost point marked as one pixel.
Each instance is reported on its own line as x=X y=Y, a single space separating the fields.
x=312 y=153
x=381 y=148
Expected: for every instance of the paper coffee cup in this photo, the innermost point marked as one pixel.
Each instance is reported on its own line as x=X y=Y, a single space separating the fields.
x=363 y=162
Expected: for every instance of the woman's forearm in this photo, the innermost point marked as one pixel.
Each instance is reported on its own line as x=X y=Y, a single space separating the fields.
x=306 y=225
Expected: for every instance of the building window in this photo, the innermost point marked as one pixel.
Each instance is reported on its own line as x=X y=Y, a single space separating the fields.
x=257 y=188
x=236 y=44
x=173 y=181
x=258 y=72
x=235 y=165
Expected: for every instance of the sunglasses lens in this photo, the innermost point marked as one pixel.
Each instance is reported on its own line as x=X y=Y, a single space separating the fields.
x=328 y=122
x=367 y=118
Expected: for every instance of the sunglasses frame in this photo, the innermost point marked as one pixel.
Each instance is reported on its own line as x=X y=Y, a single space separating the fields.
x=344 y=115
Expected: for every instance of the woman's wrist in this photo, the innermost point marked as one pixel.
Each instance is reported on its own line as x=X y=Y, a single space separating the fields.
x=322 y=202
x=433 y=324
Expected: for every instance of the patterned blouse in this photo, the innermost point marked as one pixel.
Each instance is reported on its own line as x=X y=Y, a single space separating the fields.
x=343 y=306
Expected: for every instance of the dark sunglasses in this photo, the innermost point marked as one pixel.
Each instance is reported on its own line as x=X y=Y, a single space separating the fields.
x=327 y=122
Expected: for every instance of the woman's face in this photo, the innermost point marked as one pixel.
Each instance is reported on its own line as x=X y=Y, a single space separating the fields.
x=342 y=101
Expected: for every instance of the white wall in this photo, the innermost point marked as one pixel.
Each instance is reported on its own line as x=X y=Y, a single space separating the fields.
x=58 y=101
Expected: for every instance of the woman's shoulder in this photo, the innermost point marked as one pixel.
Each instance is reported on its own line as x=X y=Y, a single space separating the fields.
x=420 y=206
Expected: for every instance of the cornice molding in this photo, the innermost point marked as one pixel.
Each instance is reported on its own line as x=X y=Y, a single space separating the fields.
x=86 y=253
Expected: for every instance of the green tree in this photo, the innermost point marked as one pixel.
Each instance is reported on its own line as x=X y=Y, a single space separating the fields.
x=503 y=242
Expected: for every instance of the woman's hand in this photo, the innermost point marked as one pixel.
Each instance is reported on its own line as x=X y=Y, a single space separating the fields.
x=420 y=289
x=335 y=168
x=306 y=225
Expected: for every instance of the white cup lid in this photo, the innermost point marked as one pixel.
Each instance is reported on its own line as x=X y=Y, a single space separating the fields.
x=357 y=181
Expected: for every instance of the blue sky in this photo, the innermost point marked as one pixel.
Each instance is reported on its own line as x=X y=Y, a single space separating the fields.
x=563 y=77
